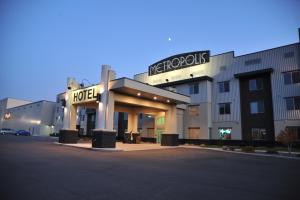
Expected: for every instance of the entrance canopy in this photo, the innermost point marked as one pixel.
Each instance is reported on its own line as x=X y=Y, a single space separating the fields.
x=144 y=91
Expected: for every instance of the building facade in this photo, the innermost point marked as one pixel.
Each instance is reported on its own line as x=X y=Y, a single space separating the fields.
x=35 y=117
x=221 y=97
x=248 y=97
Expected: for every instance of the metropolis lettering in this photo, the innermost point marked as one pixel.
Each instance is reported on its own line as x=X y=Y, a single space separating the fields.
x=179 y=61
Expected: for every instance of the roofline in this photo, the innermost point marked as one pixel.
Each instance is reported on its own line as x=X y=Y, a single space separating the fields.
x=268 y=49
x=32 y=103
x=15 y=99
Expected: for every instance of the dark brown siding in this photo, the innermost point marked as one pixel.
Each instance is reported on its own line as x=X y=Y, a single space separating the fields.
x=259 y=120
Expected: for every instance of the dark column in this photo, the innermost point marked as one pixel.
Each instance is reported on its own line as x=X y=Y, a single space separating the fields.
x=121 y=126
x=104 y=139
x=68 y=136
x=169 y=139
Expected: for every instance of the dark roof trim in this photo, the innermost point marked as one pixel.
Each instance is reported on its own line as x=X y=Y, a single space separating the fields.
x=189 y=80
x=262 y=71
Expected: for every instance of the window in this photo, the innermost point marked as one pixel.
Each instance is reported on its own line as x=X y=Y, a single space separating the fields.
x=194 y=88
x=224 y=108
x=252 y=62
x=224 y=133
x=258 y=133
x=291 y=77
x=257 y=107
x=255 y=84
x=223 y=86
x=193 y=110
x=295 y=130
x=292 y=103
x=194 y=132
x=289 y=54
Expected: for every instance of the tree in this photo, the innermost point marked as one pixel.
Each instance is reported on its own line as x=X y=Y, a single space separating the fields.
x=287 y=137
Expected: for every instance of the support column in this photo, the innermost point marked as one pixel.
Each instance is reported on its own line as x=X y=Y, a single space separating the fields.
x=170 y=137
x=69 y=134
x=132 y=135
x=103 y=135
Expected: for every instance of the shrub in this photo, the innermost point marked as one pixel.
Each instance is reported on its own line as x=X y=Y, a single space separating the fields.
x=202 y=145
x=248 y=149
x=287 y=137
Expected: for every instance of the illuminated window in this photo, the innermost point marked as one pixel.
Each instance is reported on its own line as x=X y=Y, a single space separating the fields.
x=160 y=120
x=259 y=133
x=224 y=133
x=193 y=110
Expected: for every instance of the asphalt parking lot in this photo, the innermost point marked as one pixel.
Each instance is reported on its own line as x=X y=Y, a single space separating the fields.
x=36 y=168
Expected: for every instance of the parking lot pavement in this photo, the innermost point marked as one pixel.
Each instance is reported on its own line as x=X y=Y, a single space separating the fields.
x=36 y=168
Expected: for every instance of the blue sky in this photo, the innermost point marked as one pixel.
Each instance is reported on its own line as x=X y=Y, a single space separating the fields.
x=44 y=42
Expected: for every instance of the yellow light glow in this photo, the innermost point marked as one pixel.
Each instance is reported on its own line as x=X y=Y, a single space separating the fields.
x=35 y=121
x=139 y=94
x=155 y=98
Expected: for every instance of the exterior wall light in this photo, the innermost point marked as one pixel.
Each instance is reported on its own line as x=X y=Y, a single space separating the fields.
x=69 y=87
x=98 y=99
x=63 y=103
x=192 y=75
x=154 y=97
x=168 y=101
x=167 y=80
x=139 y=94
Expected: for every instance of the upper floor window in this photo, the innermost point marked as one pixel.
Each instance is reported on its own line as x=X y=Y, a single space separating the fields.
x=194 y=88
x=291 y=77
x=292 y=103
x=255 y=84
x=223 y=86
x=257 y=107
x=224 y=108
x=252 y=62
x=289 y=54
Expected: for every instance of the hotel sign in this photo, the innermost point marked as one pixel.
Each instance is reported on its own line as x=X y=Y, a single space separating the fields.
x=85 y=95
x=179 y=61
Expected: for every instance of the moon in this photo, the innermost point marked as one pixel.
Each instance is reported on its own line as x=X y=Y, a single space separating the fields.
x=169 y=39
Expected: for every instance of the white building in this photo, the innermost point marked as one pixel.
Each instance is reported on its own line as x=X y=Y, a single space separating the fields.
x=35 y=117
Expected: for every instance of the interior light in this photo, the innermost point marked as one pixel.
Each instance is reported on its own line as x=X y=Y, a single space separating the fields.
x=154 y=97
x=139 y=94
x=168 y=101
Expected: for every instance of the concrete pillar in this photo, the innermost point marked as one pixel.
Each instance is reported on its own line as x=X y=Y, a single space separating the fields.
x=132 y=122
x=171 y=120
x=106 y=106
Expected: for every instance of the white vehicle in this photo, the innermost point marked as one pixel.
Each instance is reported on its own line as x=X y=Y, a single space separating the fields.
x=5 y=131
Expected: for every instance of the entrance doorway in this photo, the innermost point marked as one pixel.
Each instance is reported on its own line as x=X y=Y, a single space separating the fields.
x=91 y=118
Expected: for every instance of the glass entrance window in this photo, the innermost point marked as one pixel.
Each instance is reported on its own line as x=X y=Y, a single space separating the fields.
x=224 y=133
x=258 y=133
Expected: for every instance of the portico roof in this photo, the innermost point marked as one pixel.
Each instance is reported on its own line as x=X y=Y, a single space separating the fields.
x=145 y=91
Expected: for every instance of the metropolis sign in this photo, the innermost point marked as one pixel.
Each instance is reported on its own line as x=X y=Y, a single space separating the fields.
x=84 y=95
x=179 y=61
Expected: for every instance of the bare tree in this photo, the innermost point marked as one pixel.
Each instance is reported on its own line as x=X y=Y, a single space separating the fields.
x=287 y=137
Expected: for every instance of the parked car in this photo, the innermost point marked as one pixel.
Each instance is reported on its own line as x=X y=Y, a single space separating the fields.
x=23 y=133
x=5 y=131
